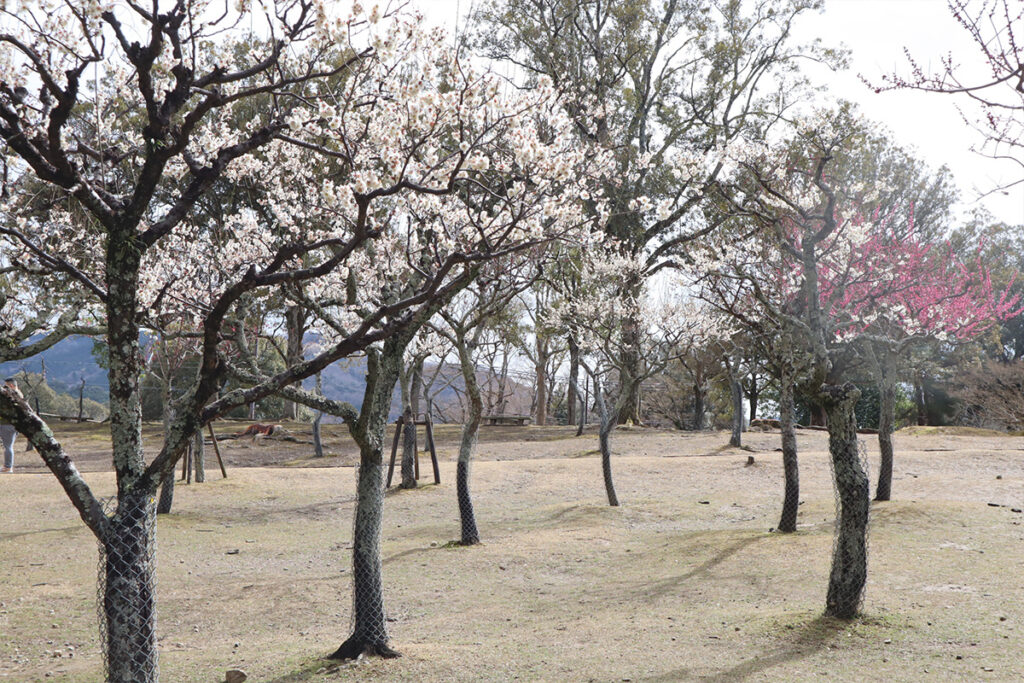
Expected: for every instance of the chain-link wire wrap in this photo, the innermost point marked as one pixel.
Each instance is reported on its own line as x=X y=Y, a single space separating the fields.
x=126 y=590
x=470 y=535
x=850 y=545
x=790 y=461
x=369 y=620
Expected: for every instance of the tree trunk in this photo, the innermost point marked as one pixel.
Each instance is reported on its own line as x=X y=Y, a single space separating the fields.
x=467 y=444
x=166 y=501
x=503 y=385
x=849 y=558
x=604 y=441
x=408 y=428
x=752 y=397
x=698 y=407
x=408 y=450
x=817 y=414
x=128 y=594
x=542 y=381
x=369 y=633
x=416 y=384
x=736 y=392
x=630 y=368
x=318 y=442
x=630 y=412
x=584 y=405
x=606 y=460
x=163 y=507
x=791 y=498
x=886 y=418
x=920 y=400
x=129 y=613
x=571 y=399
x=295 y=325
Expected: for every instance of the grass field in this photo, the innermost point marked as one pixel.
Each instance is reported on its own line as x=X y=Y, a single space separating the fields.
x=684 y=582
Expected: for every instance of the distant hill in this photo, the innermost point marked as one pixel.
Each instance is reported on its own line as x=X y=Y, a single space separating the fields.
x=70 y=360
x=67 y=363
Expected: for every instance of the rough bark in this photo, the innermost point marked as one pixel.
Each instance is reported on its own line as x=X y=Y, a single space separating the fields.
x=369 y=633
x=318 y=442
x=791 y=497
x=604 y=440
x=295 y=325
x=408 y=450
x=408 y=430
x=467 y=444
x=849 y=559
x=584 y=404
x=606 y=461
x=698 y=407
x=920 y=400
x=541 y=368
x=818 y=415
x=752 y=396
x=571 y=398
x=736 y=393
x=886 y=418
x=128 y=606
x=129 y=611
x=166 y=501
x=125 y=366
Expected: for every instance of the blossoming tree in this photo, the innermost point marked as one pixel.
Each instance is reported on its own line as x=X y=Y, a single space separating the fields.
x=133 y=116
x=666 y=87
x=834 y=288
x=895 y=293
x=602 y=319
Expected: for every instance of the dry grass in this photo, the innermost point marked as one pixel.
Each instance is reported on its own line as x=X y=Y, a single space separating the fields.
x=565 y=588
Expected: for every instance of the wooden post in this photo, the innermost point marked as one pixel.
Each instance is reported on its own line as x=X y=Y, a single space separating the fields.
x=185 y=465
x=216 y=449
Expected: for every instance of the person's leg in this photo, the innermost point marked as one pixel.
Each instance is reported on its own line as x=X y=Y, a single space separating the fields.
x=7 y=434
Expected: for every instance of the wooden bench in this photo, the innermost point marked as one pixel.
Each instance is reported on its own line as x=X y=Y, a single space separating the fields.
x=515 y=420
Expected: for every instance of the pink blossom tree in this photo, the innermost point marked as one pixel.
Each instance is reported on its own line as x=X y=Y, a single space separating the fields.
x=830 y=286
x=898 y=291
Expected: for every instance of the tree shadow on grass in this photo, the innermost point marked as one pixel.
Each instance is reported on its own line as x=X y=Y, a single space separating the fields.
x=62 y=530
x=801 y=642
x=662 y=587
x=313 y=670
x=406 y=553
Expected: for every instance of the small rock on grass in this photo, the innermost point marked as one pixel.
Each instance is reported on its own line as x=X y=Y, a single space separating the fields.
x=235 y=676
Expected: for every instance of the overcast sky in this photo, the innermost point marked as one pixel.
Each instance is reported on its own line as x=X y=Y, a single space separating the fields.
x=876 y=33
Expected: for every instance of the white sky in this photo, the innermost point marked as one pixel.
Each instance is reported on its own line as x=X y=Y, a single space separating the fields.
x=876 y=32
